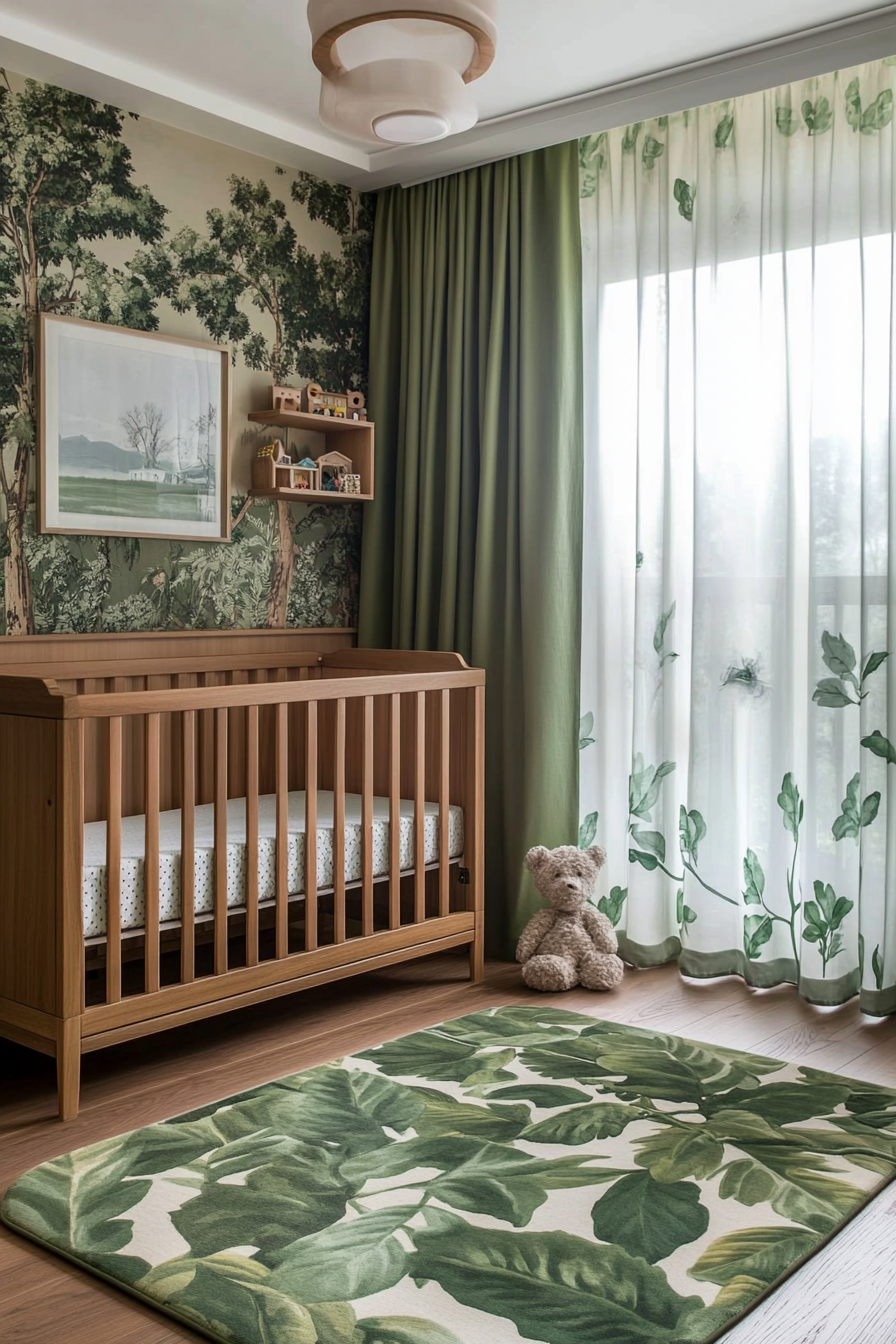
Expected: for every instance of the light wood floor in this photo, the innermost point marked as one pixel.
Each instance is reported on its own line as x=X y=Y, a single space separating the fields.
x=845 y=1295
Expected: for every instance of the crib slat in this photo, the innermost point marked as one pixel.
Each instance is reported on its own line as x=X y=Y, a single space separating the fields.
x=311 y=828
x=444 y=789
x=252 y=835
x=151 y=853
x=220 y=841
x=296 y=719
x=236 y=744
x=162 y=682
x=339 y=826
x=282 y=790
x=94 y=759
x=367 y=820
x=395 y=812
x=113 y=864
x=205 y=762
x=419 y=813
x=188 y=847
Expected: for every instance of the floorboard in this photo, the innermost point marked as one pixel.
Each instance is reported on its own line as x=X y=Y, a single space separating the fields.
x=845 y=1295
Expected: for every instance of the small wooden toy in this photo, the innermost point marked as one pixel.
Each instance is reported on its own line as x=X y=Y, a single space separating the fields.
x=356 y=409
x=276 y=452
x=315 y=401
x=287 y=398
x=274 y=469
x=306 y=478
x=334 y=467
x=351 y=484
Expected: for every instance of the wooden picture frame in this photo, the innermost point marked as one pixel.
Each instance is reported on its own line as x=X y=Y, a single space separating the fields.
x=133 y=433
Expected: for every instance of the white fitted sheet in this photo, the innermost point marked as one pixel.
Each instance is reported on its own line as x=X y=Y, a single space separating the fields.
x=93 y=886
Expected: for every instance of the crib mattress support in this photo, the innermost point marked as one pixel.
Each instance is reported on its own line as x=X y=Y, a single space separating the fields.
x=99 y=1040
x=142 y=1007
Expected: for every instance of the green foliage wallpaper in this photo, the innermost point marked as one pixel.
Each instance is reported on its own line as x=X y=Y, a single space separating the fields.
x=112 y=218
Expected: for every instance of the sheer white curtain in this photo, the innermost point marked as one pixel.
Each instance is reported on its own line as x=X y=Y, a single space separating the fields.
x=737 y=694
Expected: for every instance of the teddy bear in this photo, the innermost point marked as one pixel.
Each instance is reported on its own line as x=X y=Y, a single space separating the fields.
x=570 y=943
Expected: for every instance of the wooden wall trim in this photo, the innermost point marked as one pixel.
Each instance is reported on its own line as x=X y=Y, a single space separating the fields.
x=396 y=660
x=130 y=636
x=48 y=649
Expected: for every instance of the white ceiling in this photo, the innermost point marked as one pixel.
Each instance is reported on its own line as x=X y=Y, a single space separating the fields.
x=241 y=70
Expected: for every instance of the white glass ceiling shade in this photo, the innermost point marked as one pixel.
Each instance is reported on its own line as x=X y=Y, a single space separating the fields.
x=398 y=74
x=411 y=128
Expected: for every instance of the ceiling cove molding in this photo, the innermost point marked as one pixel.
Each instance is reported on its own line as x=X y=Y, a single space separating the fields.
x=54 y=58
x=43 y=54
x=801 y=55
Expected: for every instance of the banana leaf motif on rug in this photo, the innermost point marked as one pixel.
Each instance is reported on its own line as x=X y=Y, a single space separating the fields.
x=518 y=1173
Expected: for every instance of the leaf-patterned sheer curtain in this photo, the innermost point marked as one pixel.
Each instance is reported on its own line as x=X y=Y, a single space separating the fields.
x=739 y=668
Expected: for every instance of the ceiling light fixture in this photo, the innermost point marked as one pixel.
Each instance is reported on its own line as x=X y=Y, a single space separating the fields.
x=399 y=74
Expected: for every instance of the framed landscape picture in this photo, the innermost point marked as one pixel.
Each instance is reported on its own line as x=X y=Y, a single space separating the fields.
x=134 y=433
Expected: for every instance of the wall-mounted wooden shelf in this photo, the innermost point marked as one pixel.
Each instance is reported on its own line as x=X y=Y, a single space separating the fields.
x=354 y=438
x=307 y=496
x=321 y=424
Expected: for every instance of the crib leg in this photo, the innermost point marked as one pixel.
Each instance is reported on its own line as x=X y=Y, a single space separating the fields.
x=68 y=1067
x=477 y=956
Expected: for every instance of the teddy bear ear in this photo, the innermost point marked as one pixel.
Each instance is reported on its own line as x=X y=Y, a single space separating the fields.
x=598 y=855
x=536 y=857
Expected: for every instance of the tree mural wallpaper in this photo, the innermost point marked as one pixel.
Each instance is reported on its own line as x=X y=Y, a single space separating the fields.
x=80 y=235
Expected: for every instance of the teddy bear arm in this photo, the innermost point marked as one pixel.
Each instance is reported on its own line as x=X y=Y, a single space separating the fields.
x=600 y=930
x=530 y=939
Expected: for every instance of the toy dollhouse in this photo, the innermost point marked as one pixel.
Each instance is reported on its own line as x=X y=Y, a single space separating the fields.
x=334 y=468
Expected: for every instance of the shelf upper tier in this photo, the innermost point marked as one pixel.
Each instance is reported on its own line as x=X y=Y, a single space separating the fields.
x=306 y=496
x=323 y=424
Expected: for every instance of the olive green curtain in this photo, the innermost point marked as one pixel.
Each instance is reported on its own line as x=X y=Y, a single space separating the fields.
x=474 y=542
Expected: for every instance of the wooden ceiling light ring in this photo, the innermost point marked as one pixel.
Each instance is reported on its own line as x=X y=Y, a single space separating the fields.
x=324 y=58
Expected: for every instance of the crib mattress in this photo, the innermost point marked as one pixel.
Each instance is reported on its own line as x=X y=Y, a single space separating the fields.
x=93 y=887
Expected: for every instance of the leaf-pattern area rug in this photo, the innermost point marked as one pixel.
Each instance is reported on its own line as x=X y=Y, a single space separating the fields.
x=518 y=1173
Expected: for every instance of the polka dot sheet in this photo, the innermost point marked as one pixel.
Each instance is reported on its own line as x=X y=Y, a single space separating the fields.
x=93 y=887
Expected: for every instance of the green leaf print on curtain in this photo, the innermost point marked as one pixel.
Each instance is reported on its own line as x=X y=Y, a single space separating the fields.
x=854 y=813
x=875 y=117
x=724 y=131
x=738 y=443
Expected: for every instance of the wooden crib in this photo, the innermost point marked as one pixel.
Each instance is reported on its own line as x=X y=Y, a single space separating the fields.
x=182 y=834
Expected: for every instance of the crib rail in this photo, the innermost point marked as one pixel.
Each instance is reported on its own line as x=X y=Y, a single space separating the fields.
x=337 y=728
x=46 y=699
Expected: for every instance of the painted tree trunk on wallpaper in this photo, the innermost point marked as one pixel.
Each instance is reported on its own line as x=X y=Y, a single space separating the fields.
x=78 y=236
x=284 y=566
x=16 y=577
x=17 y=580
